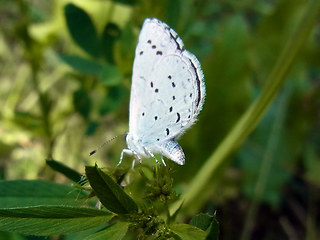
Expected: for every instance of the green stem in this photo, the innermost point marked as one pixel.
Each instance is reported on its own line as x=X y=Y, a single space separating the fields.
x=255 y=112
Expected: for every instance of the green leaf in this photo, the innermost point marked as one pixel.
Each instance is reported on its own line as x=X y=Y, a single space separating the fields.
x=126 y=44
x=110 y=75
x=65 y=170
x=81 y=64
x=109 y=192
x=113 y=99
x=11 y=236
x=173 y=217
x=213 y=230
x=82 y=102
x=110 y=34
x=188 y=232
x=83 y=234
x=114 y=232
x=92 y=127
x=207 y=223
x=82 y=29
x=48 y=220
x=22 y=193
x=201 y=221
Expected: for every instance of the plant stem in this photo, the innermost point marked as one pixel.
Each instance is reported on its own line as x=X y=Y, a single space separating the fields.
x=255 y=112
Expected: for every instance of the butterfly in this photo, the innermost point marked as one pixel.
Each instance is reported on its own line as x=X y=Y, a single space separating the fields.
x=167 y=94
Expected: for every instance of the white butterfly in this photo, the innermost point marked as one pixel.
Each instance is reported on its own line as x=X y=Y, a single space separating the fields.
x=167 y=94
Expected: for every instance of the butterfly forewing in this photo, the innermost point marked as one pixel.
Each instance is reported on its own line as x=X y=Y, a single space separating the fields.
x=167 y=91
x=155 y=42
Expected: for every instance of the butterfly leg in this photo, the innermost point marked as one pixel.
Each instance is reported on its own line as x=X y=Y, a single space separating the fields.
x=164 y=163
x=129 y=152
x=136 y=157
x=151 y=154
x=124 y=151
x=133 y=163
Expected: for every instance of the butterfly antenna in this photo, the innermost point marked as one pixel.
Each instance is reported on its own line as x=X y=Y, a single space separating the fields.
x=106 y=142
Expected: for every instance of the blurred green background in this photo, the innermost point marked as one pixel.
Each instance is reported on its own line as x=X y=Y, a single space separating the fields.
x=65 y=84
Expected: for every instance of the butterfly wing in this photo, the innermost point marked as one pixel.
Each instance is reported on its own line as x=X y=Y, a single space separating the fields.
x=167 y=90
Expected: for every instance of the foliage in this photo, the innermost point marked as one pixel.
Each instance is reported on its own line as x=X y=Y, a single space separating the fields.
x=66 y=68
x=58 y=209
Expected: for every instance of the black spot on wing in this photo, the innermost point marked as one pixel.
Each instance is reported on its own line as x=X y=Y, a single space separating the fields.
x=141 y=52
x=154 y=46
x=178 y=117
x=156 y=118
x=167 y=129
x=156 y=90
x=170 y=109
x=149 y=41
x=173 y=84
x=159 y=53
x=151 y=84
